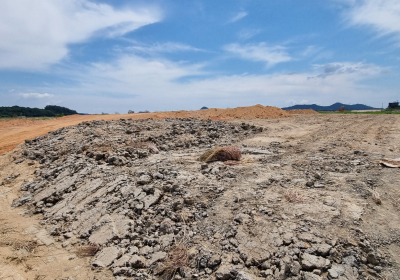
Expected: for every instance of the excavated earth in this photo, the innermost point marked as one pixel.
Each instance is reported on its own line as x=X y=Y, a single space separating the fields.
x=308 y=200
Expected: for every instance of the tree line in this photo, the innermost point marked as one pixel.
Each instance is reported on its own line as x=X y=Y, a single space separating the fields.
x=48 y=111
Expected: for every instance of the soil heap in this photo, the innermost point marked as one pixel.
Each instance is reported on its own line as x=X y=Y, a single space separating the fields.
x=135 y=190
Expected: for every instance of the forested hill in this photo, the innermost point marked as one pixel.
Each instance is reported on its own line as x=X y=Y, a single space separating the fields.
x=48 y=111
x=333 y=107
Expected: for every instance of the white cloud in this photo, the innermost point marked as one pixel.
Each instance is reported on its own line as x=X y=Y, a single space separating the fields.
x=169 y=47
x=383 y=16
x=246 y=34
x=237 y=17
x=260 y=52
x=35 y=34
x=357 y=70
x=35 y=95
x=135 y=83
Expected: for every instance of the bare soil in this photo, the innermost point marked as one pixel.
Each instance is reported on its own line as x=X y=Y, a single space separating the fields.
x=320 y=176
x=14 y=132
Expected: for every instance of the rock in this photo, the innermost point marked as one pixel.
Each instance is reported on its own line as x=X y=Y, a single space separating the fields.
x=241 y=218
x=214 y=261
x=333 y=274
x=122 y=261
x=372 y=258
x=244 y=276
x=311 y=276
x=295 y=268
x=156 y=257
x=144 y=251
x=137 y=261
x=224 y=273
x=150 y=200
x=44 y=237
x=106 y=256
x=144 y=179
x=322 y=249
x=310 y=262
x=306 y=236
x=349 y=260
x=68 y=235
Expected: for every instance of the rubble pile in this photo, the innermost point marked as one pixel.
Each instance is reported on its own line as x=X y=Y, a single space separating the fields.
x=136 y=189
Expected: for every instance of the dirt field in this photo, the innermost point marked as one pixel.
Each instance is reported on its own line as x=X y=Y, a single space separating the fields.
x=328 y=163
x=14 y=132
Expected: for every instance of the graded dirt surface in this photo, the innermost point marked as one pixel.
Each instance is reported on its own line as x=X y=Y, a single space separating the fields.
x=14 y=132
x=308 y=200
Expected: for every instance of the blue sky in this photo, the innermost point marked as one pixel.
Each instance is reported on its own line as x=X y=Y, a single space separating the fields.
x=118 y=55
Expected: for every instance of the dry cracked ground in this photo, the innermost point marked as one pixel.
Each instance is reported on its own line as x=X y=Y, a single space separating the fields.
x=128 y=199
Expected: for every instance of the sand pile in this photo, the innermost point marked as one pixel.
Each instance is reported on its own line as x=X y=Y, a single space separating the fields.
x=302 y=111
x=257 y=111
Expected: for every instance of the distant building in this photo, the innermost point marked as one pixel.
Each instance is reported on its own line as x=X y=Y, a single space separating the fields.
x=394 y=105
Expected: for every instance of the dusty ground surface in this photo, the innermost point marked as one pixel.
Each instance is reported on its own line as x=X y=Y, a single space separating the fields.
x=308 y=200
x=14 y=132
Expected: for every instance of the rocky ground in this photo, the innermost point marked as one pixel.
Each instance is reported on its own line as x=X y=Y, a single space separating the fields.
x=307 y=201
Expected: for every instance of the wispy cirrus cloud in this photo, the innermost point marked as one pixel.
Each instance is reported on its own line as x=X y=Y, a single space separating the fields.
x=36 y=34
x=271 y=55
x=238 y=17
x=247 y=33
x=383 y=16
x=169 y=47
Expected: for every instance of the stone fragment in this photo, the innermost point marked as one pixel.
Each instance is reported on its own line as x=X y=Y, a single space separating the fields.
x=106 y=256
x=224 y=273
x=310 y=262
x=44 y=237
x=144 y=179
x=295 y=268
x=156 y=257
x=311 y=276
x=214 y=261
x=137 y=261
x=150 y=200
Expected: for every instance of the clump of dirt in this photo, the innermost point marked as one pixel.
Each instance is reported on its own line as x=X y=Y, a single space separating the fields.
x=230 y=153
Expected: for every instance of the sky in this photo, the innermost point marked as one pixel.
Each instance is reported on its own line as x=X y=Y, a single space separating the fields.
x=112 y=56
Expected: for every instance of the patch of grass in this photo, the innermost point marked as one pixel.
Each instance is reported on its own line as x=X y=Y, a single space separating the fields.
x=221 y=154
x=178 y=258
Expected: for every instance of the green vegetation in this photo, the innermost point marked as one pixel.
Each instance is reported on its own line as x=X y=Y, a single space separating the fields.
x=48 y=111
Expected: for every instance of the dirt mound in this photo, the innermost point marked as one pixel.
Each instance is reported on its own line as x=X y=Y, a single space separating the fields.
x=14 y=132
x=302 y=111
x=290 y=210
x=251 y=112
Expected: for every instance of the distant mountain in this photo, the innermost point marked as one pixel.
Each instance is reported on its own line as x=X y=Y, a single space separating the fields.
x=203 y=108
x=333 y=107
